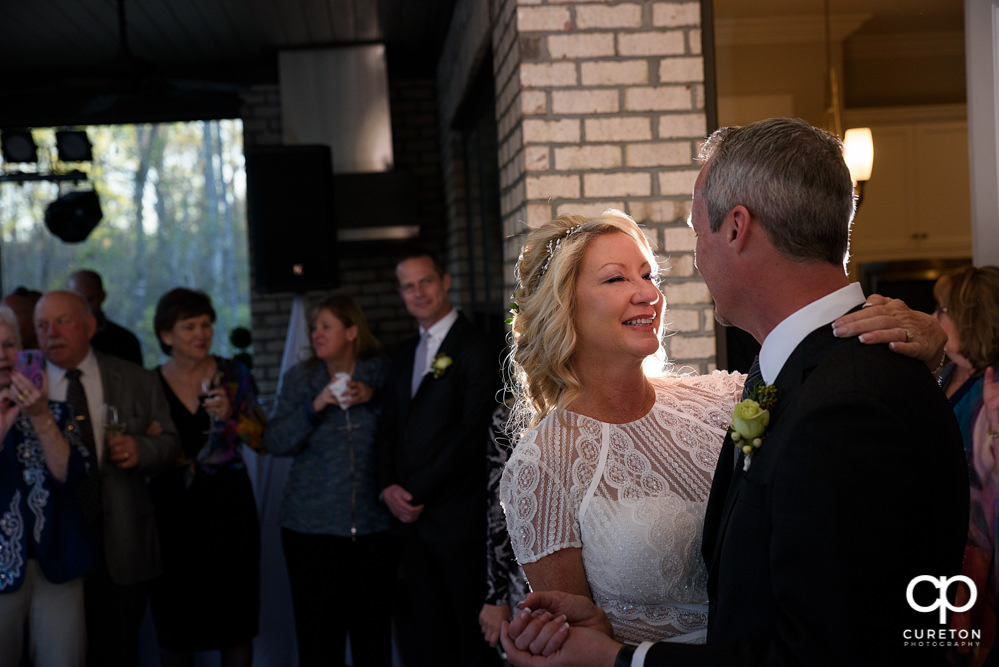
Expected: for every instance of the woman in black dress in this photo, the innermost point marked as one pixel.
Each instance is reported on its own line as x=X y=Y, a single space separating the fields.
x=209 y=595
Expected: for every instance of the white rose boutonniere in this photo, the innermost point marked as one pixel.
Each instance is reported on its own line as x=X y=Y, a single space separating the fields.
x=750 y=420
x=440 y=364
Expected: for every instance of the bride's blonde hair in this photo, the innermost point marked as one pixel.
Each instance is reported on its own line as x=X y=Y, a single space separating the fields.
x=540 y=373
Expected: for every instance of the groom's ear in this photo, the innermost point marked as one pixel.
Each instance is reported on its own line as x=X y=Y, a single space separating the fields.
x=739 y=225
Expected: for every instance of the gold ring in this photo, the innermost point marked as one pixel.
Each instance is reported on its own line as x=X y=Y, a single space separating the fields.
x=22 y=396
x=909 y=336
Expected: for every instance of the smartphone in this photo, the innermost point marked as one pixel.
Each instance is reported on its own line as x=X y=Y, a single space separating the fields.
x=30 y=363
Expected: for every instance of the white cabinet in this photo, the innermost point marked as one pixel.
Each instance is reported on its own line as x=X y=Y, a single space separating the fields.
x=917 y=203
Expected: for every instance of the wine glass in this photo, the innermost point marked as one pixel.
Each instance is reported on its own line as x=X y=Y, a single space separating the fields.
x=207 y=386
x=113 y=426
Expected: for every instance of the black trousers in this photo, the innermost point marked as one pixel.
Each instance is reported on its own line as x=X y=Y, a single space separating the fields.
x=114 y=615
x=441 y=590
x=341 y=586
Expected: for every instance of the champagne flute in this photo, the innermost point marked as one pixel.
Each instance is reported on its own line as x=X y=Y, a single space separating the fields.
x=113 y=426
x=207 y=386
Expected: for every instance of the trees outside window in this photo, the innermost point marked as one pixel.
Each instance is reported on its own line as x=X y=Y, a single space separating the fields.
x=174 y=214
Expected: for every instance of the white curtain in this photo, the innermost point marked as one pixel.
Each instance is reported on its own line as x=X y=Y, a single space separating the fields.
x=275 y=645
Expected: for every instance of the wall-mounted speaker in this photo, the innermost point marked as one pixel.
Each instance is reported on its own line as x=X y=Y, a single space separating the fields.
x=289 y=193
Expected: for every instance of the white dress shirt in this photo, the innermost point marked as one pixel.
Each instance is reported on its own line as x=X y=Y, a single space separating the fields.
x=787 y=335
x=90 y=378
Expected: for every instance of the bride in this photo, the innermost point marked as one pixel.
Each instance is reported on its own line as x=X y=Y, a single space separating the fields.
x=605 y=494
x=606 y=490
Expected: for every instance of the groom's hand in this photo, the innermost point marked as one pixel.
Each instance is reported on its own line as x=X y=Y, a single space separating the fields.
x=397 y=499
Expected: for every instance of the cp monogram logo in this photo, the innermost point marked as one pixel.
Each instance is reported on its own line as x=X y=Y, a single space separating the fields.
x=942 y=584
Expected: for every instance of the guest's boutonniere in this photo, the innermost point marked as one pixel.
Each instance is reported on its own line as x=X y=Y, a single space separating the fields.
x=750 y=419
x=440 y=364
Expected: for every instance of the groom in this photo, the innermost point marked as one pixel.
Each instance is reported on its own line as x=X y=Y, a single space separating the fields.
x=860 y=483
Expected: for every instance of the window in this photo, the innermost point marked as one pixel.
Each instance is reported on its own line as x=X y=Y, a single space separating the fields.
x=174 y=214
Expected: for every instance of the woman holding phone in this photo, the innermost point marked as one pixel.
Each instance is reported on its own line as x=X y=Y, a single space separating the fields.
x=46 y=543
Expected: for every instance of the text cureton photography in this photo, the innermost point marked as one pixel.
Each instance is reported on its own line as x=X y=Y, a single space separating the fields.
x=941 y=636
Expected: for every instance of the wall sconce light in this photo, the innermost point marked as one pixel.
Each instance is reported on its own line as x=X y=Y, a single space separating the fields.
x=73 y=146
x=18 y=146
x=858 y=151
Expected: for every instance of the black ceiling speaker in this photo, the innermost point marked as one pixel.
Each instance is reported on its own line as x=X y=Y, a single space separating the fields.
x=289 y=202
x=74 y=215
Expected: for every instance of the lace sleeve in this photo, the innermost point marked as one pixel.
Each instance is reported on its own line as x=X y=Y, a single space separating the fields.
x=542 y=513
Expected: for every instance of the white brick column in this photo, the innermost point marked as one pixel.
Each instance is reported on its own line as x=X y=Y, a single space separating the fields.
x=602 y=105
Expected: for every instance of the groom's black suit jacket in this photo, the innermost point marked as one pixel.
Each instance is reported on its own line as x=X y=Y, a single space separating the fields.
x=860 y=486
x=434 y=444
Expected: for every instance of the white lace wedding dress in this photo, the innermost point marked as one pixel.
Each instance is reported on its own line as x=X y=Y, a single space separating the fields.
x=632 y=496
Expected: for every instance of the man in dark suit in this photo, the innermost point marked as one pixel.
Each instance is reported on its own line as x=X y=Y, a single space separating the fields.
x=115 y=497
x=432 y=470
x=859 y=485
x=110 y=338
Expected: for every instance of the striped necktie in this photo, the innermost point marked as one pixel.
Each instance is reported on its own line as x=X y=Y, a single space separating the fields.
x=754 y=378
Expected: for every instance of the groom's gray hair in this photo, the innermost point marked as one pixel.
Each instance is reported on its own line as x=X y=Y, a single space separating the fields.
x=791 y=177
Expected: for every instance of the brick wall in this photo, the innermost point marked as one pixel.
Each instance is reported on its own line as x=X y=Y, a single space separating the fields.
x=602 y=105
x=367 y=277
x=597 y=105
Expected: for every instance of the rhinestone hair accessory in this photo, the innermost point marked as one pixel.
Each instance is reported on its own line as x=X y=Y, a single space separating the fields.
x=553 y=246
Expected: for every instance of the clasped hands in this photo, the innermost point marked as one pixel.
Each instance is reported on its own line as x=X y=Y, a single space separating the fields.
x=357 y=392
x=399 y=502
x=554 y=628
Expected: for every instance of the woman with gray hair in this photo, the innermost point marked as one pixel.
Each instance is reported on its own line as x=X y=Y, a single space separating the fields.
x=46 y=542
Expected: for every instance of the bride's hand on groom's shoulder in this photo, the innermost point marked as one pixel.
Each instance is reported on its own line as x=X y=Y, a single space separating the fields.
x=889 y=321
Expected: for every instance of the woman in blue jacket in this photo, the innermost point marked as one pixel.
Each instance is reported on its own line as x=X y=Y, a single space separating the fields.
x=46 y=543
x=333 y=529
